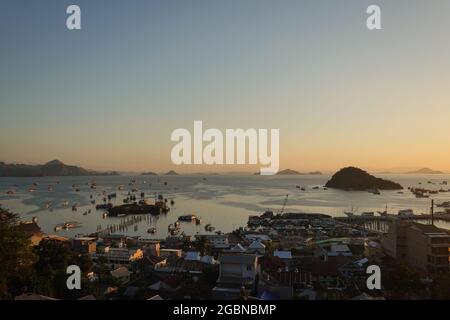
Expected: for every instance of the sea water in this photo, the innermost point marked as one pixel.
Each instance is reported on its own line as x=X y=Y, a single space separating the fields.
x=224 y=201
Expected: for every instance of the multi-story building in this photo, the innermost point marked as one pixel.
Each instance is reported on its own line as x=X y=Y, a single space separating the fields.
x=237 y=271
x=116 y=257
x=420 y=246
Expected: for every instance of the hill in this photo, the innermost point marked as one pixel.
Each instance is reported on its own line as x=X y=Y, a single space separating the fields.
x=352 y=178
x=53 y=168
x=171 y=173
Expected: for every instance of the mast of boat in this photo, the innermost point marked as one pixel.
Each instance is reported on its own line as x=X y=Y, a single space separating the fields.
x=432 y=212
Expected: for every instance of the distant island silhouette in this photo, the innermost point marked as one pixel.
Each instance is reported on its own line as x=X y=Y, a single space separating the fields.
x=352 y=178
x=171 y=173
x=54 y=168
x=287 y=172
x=149 y=173
x=425 y=171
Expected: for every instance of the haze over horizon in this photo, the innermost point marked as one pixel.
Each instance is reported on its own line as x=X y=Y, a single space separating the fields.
x=107 y=97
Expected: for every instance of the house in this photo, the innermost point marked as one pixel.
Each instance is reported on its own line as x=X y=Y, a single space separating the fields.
x=340 y=249
x=238 y=249
x=149 y=264
x=192 y=256
x=285 y=256
x=216 y=240
x=32 y=231
x=84 y=244
x=257 y=247
x=325 y=270
x=122 y=274
x=118 y=256
x=236 y=271
x=257 y=236
x=168 y=252
x=150 y=247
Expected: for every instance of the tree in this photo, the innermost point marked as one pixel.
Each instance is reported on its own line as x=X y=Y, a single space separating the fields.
x=16 y=256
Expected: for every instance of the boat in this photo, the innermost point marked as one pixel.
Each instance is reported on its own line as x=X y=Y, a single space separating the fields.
x=198 y=220
x=349 y=214
x=104 y=215
x=406 y=213
x=187 y=218
x=445 y=204
x=209 y=227
x=151 y=230
x=374 y=191
x=10 y=192
x=367 y=214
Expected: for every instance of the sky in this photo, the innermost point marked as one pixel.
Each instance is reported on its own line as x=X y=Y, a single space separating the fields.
x=109 y=95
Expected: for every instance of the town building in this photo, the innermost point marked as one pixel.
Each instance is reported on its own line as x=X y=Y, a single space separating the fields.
x=237 y=271
x=423 y=247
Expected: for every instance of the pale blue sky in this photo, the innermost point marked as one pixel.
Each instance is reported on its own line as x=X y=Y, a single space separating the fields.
x=109 y=95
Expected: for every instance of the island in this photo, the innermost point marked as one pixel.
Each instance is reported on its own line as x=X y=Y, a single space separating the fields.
x=425 y=171
x=149 y=173
x=287 y=172
x=290 y=172
x=352 y=178
x=54 y=168
x=171 y=173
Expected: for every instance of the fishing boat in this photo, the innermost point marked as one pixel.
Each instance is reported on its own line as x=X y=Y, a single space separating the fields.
x=10 y=192
x=187 y=218
x=445 y=204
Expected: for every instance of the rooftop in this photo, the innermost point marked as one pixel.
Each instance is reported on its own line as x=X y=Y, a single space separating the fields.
x=238 y=259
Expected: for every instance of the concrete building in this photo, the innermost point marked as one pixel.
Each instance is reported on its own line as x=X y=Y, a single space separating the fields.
x=420 y=246
x=236 y=271
x=116 y=257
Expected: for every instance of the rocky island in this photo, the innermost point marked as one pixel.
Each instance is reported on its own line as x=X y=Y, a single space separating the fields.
x=352 y=178
x=53 y=168
x=425 y=171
